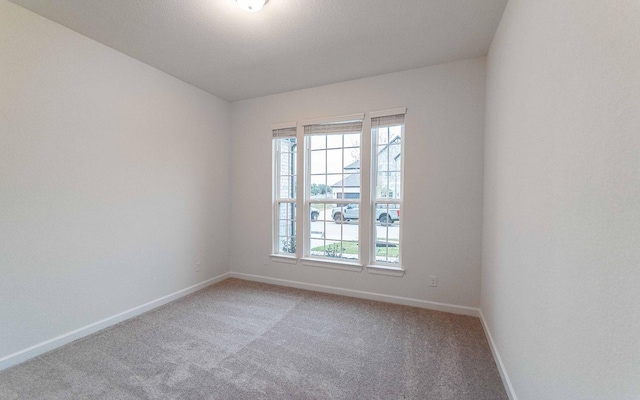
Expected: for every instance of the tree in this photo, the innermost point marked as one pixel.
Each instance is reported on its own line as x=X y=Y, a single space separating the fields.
x=317 y=189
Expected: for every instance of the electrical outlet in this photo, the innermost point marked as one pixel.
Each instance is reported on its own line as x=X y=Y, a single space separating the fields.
x=266 y=261
x=198 y=266
x=433 y=280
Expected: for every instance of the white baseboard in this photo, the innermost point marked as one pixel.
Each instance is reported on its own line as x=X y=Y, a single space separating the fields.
x=496 y=356
x=431 y=305
x=48 y=345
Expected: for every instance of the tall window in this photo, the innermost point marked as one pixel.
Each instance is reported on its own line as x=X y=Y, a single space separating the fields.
x=387 y=138
x=332 y=189
x=318 y=219
x=285 y=149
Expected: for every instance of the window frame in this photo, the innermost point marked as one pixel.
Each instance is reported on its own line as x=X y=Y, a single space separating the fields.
x=317 y=260
x=277 y=199
x=376 y=266
x=367 y=201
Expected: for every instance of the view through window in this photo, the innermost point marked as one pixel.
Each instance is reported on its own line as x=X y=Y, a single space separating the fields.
x=386 y=133
x=285 y=147
x=333 y=189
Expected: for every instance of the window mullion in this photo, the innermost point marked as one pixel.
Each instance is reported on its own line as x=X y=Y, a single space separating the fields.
x=301 y=194
x=365 y=193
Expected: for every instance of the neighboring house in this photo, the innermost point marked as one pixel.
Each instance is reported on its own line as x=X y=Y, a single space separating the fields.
x=349 y=187
x=389 y=154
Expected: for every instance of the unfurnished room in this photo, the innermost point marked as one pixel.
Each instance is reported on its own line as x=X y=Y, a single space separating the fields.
x=320 y=199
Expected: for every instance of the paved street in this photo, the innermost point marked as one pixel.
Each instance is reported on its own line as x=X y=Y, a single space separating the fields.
x=329 y=230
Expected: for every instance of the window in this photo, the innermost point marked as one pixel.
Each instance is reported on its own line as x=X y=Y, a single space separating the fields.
x=386 y=142
x=351 y=214
x=285 y=162
x=332 y=190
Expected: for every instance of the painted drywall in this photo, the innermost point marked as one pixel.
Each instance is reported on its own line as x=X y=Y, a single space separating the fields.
x=113 y=181
x=442 y=211
x=561 y=236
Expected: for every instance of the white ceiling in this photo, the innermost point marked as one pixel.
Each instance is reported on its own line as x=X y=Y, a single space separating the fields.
x=290 y=44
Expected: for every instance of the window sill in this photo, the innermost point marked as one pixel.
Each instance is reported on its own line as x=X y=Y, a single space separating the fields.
x=284 y=259
x=344 y=266
x=385 y=270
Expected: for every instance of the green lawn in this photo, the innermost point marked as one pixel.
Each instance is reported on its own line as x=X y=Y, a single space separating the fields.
x=352 y=248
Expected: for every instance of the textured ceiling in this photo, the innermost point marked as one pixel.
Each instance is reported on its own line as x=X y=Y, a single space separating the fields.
x=290 y=44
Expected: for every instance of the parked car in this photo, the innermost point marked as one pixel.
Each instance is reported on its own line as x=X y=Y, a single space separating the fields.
x=351 y=212
x=314 y=215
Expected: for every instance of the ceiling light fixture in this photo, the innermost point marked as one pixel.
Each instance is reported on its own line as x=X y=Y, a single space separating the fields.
x=252 y=5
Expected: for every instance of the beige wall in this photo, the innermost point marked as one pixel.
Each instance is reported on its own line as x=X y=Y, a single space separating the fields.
x=561 y=239
x=113 y=181
x=442 y=212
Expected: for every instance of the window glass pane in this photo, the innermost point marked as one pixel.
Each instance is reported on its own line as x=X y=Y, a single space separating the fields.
x=351 y=159
x=287 y=144
x=334 y=161
x=334 y=229
x=382 y=188
x=319 y=188
x=287 y=245
x=335 y=234
x=348 y=188
x=335 y=181
x=352 y=140
x=320 y=216
x=285 y=162
x=317 y=212
x=286 y=167
x=346 y=213
x=387 y=166
x=388 y=163
x=394 y=153
x=286 y=214
x=318 y=179
x=387 y=233
x=334 y=141
x=383 y=158
x=285 y=182
x=287 y=187
x=395 y=131
x=383 y=136
x=395 y=182
x=318 y=142
x=286 y=228
x=318 y=162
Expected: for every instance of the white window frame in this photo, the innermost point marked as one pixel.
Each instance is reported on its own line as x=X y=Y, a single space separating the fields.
x=367 y=200
x=282 y=131
x=378 y=267
x=316 y=260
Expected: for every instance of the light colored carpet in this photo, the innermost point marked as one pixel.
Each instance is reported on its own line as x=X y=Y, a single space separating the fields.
x=246 y=340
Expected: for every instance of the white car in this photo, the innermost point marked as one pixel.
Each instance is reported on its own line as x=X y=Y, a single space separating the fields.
x=351 y=212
